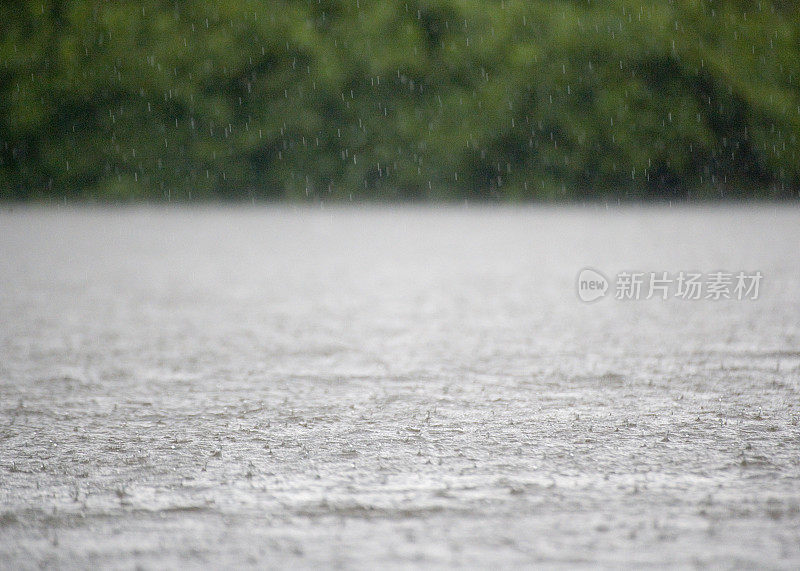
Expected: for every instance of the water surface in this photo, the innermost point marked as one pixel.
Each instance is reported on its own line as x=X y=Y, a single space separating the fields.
x=420 y=386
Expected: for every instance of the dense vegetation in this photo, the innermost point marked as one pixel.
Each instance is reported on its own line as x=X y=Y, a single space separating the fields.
x=321 y=99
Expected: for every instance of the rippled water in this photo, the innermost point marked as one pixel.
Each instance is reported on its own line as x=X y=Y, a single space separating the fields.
x=414 y=386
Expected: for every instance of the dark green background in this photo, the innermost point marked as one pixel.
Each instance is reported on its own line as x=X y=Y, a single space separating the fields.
x=399 y=99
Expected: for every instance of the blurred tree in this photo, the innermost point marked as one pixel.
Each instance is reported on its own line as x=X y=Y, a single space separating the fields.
x=398 y=99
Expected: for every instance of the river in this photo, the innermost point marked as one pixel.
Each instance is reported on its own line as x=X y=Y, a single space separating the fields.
x=398 y=386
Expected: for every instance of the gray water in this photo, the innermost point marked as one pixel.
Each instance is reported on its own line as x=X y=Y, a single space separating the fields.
x=366 y=387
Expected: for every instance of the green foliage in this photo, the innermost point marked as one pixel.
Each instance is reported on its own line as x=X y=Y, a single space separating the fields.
x=398 y=99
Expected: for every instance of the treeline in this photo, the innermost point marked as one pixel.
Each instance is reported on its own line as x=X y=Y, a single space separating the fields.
x=399 y=99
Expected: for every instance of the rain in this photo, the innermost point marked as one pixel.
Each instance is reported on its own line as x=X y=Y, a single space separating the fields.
x=399 y=283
